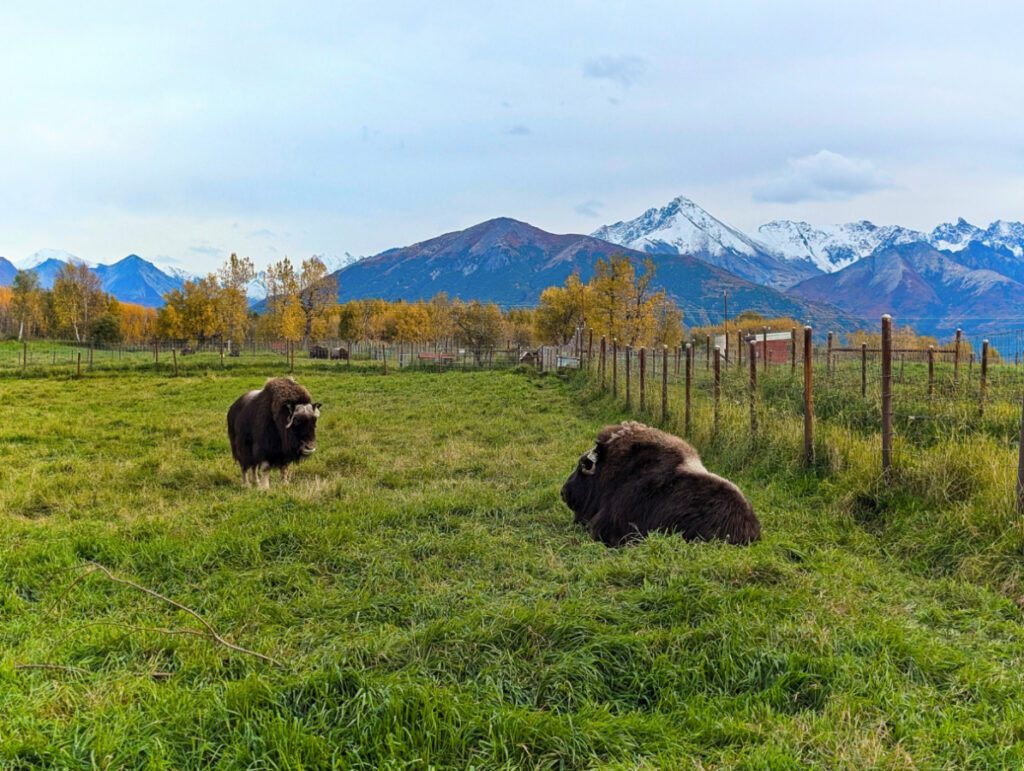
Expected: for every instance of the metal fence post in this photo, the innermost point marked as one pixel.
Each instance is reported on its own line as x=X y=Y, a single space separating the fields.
x=688 y=388
x=984 y=377
x=808 y=396
x=643 y=378
x=717 y=388
x=753 y=393
x=886 y=393
x=863 y=370
x=629 y=372
x=956 y=358
x=664 y=384
x=931 y=371
x=615 y=367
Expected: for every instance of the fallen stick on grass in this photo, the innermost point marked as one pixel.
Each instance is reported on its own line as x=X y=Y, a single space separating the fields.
x=212 y=633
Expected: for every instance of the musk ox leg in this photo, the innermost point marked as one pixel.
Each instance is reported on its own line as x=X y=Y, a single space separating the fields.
x=245 y=477
x=286 y=474
x=263 y=476
x=605 y=528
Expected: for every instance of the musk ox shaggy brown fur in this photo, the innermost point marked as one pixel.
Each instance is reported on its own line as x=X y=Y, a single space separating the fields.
x=637 y=479
x=272 y=428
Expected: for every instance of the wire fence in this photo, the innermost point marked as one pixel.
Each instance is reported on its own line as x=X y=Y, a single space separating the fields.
x=908 y=398
x=44 y=358
x=912 y=398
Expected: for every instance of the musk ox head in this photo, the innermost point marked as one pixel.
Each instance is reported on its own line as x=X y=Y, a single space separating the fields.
x=299 y=426
x=637 y=479
x=295 y=415
x=630 y=449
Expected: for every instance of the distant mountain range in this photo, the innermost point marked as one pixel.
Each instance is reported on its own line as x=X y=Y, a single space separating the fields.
x=510 y=263
x=922 y=286
x=846 y=275
x=131 y=279
x=958 y=274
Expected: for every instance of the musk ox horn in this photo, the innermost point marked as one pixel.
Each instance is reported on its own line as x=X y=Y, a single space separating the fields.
x=592 y=457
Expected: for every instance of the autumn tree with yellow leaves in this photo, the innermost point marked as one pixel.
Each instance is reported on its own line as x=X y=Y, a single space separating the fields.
x=77 y=296
x=562 y=310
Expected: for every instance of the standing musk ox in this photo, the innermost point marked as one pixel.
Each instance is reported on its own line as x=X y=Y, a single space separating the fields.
x=638 y=479
x=272 y=428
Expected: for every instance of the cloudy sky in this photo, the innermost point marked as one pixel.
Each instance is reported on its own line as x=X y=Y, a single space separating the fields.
x=184 y=131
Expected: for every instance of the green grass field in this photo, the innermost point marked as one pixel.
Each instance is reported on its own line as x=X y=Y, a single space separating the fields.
x=429 y=602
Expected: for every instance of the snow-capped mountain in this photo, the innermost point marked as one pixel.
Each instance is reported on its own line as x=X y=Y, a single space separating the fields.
x=832 y=247
x=511 y=262
x=923 y=287
x=51 y=255
x=683 y=227
x=952 y=237
x=136 y=280
x=131 y=279
x=174 y=272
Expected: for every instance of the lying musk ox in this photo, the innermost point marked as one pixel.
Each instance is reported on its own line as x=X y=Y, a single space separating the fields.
x=638 y=479
x=272 y=428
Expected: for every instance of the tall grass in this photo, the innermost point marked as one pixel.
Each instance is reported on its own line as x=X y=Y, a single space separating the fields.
x=434 y=606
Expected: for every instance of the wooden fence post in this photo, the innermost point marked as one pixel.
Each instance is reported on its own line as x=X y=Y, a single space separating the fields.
x=792 y=351
x=590 y=348
x=739 y=348
x=717 y=388
x=615 y=367
x=984 y=377
x=24 y=355
x=753 y=392
x=764 y=346
x=629 y=378
x=808 y=396
x=643 y=378
x=931 y=371
x=886 y=393
x=90 y=355
x=707 y=363
x=664 y=384
x=78 y=370
x=688 y=388
x=1020 y=465
x=863 y=370
x=384 y=355
x=956 y=358
x=828 y=357
x=174 y=357
x=604 y=361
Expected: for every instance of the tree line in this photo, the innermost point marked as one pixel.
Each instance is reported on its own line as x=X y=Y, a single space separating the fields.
x=76 y=307
x=301 y=305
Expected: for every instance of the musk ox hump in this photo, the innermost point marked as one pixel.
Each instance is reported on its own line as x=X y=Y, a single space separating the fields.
x=285 y=395
x=631 y=442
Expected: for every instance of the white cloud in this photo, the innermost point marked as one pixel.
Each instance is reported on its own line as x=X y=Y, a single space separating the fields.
x=823 y=176
x=624 y=70
x=591 y=208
